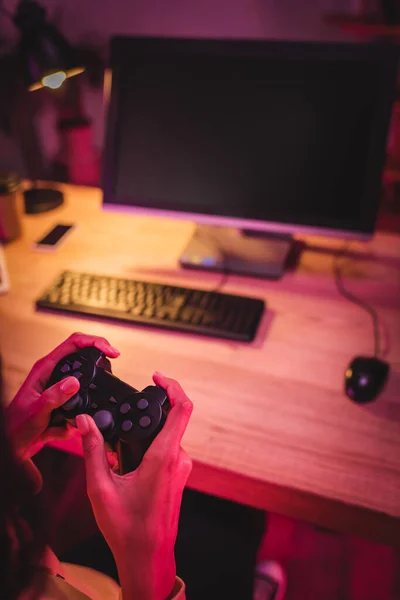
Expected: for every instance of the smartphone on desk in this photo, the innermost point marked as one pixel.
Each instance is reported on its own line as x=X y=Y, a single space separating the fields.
x=54 y=238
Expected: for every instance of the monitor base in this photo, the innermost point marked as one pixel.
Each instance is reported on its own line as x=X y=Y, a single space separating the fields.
x=230 y=250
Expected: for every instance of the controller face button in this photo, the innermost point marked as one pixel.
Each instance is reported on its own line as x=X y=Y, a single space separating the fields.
x=103 y=419
x=112 y=400
x=77 y=364
x=78 y=375
x=72 y=403
x=65 y=368
x=126 y=425
x=144 y=422
x=142 y=404
x=125 y=408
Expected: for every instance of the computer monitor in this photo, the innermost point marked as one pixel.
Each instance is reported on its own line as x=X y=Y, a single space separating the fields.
x=261 y=136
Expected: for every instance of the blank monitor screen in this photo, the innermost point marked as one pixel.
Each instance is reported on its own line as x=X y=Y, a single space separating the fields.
x=291 y=134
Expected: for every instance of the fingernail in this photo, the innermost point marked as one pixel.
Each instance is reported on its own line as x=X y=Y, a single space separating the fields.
x=82 y=424
x=114 y=350
x=159 y=373
x=69 y=385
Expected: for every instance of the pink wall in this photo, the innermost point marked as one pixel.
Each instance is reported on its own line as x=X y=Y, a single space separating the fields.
x=246 y=18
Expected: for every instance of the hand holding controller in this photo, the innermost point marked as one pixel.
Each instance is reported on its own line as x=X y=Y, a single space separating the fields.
x=129 y=420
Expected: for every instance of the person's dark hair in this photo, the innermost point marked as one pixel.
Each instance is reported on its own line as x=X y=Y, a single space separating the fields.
x=21 y=534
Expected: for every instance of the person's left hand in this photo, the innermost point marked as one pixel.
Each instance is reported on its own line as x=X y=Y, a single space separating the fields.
x=29 y=413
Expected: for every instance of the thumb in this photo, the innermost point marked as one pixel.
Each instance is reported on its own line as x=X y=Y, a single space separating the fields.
x=98 y=470
x=59 y=393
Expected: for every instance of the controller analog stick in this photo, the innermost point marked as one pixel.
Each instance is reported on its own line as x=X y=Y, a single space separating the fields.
x=73 y=403
x=104 y=420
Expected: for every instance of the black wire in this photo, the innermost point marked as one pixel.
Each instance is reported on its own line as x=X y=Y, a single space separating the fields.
x=337 y=270
x=224 y=278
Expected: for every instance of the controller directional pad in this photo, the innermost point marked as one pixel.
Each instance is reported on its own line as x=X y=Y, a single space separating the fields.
x=83 y=370
x=82 y=366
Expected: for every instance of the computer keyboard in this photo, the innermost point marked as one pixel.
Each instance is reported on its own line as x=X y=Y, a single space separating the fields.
x=183 y=309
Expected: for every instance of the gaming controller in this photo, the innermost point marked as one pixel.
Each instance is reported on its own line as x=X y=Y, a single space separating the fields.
x=129 y=420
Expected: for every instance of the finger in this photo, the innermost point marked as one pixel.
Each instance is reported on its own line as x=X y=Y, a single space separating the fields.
x=170 y=437
x=185 y=466
x=98 y=470
x=183 y=471
x=112 y=461
x=52 y=434
x=174 y=391
x=55 y=396
x=34 y=475
x=43 y=368
x=81 y=340
x=58 y=433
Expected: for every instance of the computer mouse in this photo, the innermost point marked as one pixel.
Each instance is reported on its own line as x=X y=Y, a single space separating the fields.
x=365 y=378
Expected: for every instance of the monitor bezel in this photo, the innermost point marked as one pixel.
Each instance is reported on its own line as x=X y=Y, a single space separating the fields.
x=122 y=48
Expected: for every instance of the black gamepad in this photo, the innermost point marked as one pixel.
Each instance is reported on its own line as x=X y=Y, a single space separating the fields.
x=129 y=420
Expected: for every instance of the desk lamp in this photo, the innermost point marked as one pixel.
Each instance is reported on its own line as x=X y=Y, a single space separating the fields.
x=47 y=60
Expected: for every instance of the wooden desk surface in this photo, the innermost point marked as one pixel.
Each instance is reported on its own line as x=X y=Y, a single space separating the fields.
x=271 y=426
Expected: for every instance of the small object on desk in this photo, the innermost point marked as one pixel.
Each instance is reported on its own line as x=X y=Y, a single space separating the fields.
x=365 y=378
x=4 y=281
x=40 y=200
x=169 y=307
x=53 y=238
x=10 y=226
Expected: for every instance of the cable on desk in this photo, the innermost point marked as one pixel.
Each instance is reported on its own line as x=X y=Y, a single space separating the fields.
x=338 y=274
x=223 y=279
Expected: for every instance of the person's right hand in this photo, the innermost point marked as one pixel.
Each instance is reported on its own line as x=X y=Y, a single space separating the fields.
x=138 y=512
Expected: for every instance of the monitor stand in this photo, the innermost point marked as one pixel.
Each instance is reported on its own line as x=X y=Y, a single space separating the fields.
x=229 y=250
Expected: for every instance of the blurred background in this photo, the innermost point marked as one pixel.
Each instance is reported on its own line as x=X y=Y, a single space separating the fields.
x=65 y=127
x=57 y=135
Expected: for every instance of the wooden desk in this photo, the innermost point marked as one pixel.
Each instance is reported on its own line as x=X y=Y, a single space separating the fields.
x=271 y=426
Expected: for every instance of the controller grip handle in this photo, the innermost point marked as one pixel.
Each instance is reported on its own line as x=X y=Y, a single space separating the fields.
x=56 y=420
x=128 y=458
